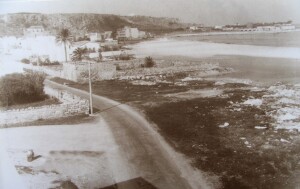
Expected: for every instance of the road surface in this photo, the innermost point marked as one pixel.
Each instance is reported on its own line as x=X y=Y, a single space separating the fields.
x=147 y=155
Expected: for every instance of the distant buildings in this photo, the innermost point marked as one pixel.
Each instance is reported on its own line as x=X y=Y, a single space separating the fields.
x=107 y=35
x=260 y=28
x=34 y=31
x=110 y=42
x=218 y=27
x=100 y=36
x=287 y=27
x=128 y=33
x=95 y=37
x=199 y=28
x=250 y=27
x=196 y=27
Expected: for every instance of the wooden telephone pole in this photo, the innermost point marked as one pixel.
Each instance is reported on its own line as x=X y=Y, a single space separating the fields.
x=90 y=86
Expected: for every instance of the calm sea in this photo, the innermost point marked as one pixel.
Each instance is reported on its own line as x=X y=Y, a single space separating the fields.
x=264 y=57
x=288 y=39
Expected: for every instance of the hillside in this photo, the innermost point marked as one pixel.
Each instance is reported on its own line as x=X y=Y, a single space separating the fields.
x=80 y=23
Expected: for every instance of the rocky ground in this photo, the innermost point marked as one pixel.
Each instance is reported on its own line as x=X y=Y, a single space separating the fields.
x=243 y=133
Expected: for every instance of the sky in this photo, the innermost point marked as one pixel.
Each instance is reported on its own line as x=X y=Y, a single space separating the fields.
x=209 y=12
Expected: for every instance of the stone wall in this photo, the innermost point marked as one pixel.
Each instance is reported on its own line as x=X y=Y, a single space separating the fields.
x=70 y=105
x=78 y=72
x=44 y=69
x=134 y=71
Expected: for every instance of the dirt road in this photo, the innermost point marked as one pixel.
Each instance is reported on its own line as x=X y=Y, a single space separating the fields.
x=146 y=154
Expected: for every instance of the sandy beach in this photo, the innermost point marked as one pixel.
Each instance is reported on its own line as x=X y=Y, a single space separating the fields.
x=197 y=49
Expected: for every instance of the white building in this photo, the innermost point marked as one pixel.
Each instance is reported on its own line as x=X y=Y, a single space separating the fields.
x=95 y=37
x=142 y=34
x=194 y=28
x=287 y=27
x=110 y=42
x=228 y=29
x=107 y=34
x=34 y=31
x=128 y=33
x=218 y=27
x=267 y=28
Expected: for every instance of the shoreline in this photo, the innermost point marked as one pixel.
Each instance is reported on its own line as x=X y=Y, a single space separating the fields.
x=231 y=33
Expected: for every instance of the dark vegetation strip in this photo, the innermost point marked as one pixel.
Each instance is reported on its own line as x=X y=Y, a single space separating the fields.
x=192 y=127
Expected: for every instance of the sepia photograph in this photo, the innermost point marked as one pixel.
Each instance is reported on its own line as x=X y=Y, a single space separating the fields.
x=149 y=94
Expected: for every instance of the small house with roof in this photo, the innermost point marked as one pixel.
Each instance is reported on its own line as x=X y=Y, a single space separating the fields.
x=34 y=31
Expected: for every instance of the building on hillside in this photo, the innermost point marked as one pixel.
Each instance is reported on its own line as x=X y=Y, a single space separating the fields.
x=128 y=33
x=142 y=35
x=99 y=36
x=107 y=34
x=111 y=42
x=95 y=37
x=78 y=72
x=34 y=31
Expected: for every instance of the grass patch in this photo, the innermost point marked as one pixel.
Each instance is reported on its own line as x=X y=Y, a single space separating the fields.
x=242 y=156
x=45 y=102
x=71 y=120
x=192 y=126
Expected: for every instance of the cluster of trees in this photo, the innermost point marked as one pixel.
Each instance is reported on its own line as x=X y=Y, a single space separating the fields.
x=65 y=37
x=19 y=88
x=79 y=54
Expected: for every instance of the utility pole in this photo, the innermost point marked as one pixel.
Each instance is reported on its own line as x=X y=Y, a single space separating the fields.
x=90 y=86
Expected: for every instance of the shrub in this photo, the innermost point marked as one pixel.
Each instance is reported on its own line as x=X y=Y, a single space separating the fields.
x=107 y=48
x=124 y=57
x=21 y=88
x=118 y=68
x=55 y=63
x=115 y=48
x=149 y=62
x=25 y=61
x=46 y=62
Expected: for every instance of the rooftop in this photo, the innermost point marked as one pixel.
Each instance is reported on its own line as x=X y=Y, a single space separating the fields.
x=36 y=27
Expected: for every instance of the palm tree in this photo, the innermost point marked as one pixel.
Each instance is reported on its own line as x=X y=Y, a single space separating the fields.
x=78 y=54
x=64 y=36
x=100 y=54
x=149 y=62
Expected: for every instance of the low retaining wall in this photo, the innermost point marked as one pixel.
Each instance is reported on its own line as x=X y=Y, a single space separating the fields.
x=79 y=72
x=71 y=105
x=44 y=69
x=176 y=68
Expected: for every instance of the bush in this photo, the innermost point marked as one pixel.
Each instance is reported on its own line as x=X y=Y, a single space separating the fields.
x=149 y=62
x=45 y=62
x=115 y=48
x=25 y=61
x=118 y=68
x=55 y=63
x=21 y=88
x=124 y=57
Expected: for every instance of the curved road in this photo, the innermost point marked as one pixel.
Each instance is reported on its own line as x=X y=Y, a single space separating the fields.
x=147 y=155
